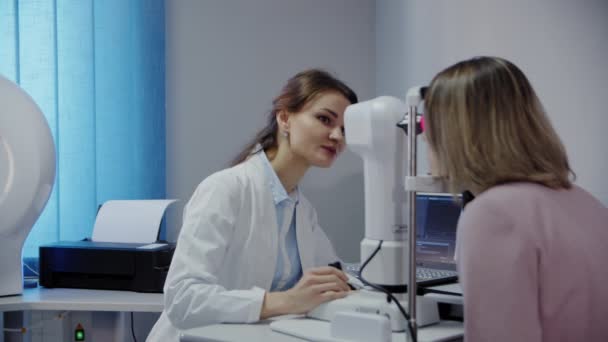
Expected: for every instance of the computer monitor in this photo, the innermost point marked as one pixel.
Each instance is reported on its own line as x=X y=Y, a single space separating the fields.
x=436 y=220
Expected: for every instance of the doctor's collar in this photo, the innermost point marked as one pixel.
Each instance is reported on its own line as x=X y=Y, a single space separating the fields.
x=279 y=194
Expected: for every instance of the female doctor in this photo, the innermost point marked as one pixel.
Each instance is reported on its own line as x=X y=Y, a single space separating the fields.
x=531 y=247
x=250 y=246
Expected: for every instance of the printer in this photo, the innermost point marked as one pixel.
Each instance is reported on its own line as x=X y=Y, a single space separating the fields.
x=123 y=253
x=140 y=267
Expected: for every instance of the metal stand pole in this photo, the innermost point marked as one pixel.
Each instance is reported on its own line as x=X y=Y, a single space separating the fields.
x=411 y=162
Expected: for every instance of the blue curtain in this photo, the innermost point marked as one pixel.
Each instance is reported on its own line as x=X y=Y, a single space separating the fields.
x=97 y=71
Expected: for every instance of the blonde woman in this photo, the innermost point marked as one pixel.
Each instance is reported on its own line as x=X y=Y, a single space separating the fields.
x=532 y=247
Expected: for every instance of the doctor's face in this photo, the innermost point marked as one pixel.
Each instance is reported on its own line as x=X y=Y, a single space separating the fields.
x=316 y=133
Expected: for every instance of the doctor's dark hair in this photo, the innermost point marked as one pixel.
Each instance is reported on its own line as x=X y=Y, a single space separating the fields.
x=297 y=92
x=486 y=126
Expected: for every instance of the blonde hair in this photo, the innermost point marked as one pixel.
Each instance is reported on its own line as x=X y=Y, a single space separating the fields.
x=486 y=127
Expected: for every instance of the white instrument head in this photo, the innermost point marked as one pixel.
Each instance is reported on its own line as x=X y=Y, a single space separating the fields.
x=27 y=174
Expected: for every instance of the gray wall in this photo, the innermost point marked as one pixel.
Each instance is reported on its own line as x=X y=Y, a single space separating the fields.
x=562 y=46
x=226 y=60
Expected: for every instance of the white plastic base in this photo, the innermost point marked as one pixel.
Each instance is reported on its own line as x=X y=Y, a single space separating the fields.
x=361 y=327
x=11 y=282
x=392 y=253
x=372 y=302
x=320 y=331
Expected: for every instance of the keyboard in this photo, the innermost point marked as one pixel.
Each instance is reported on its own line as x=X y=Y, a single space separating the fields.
x=431 y=276
x=424 y=276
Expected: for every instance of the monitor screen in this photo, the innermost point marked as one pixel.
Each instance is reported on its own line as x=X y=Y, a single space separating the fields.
x=436 y=220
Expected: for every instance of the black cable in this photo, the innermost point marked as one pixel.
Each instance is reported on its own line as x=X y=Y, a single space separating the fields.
x=381 y=289
x=132 y=329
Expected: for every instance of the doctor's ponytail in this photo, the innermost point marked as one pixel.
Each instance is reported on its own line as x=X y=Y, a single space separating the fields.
x=299 y=90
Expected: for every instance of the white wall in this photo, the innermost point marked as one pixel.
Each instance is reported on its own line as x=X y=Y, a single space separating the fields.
x=227 y=59
x=561 y=45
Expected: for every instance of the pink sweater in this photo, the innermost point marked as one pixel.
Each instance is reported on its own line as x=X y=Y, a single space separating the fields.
x=533 y=265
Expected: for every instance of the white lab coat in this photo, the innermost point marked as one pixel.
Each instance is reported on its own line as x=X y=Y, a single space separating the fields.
x=227 y=251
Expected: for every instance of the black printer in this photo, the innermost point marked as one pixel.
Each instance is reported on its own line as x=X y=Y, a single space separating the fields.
x=106 y=265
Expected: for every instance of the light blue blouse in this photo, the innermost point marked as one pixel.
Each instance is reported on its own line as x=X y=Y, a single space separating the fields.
x=289 y=268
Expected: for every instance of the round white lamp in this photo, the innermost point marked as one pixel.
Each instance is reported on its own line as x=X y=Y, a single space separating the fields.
x=27 y=174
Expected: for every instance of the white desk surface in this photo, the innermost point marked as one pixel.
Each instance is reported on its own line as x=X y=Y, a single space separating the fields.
x=235 y=332
x=82 y=300
x=444 y=331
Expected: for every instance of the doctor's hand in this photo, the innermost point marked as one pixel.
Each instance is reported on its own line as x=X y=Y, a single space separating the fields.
x=317 y=285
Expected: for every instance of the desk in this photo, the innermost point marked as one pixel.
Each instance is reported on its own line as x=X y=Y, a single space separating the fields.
x=103 y=300
x=59 y=299
x=236 y=332
x=444 y=331
x=82 y=300
x=104 y=314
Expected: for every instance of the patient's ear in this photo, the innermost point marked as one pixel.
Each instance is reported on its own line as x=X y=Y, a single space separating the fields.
x=283 y=120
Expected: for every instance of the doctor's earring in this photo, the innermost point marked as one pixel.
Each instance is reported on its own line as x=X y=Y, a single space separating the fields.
x=285 y=134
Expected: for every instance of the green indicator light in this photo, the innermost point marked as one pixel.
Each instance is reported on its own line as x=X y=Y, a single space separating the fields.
x=79 y=335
